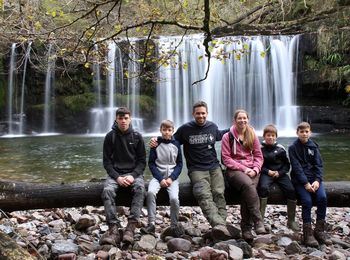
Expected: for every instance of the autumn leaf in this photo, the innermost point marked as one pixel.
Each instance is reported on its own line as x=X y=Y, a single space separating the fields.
x=263 y=54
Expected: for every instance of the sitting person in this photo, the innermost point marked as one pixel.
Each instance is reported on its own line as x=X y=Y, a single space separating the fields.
x=242 y=156
x=307 y=178
x=124 y=158
x=165 y=163
x=275 y=170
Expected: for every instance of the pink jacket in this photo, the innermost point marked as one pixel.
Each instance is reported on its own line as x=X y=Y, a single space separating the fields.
x=239 y=158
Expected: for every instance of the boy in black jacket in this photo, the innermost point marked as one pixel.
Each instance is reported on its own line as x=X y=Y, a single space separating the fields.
x=124 y=158
x=307 y=174
x=275 y=170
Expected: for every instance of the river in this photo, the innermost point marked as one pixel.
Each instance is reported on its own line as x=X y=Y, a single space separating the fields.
x=78 y=158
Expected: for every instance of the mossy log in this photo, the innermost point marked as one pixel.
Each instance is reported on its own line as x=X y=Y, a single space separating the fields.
x=9 y=249
x=23 y=196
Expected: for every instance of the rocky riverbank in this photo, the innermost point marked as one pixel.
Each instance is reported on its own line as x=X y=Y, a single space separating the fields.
x=73 y=233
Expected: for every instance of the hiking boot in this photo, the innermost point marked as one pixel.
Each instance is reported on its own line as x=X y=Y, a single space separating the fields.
x=247 y=235
x=150 y=229
x=220 y=232
x=308 y=237
x=291 y=205
x=111 y=237
x=320 y=233
x=128 y=236
x=178 y=230
x=259 y=227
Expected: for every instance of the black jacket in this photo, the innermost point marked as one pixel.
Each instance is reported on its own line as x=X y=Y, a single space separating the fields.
x=124 y=153
x=275 y=159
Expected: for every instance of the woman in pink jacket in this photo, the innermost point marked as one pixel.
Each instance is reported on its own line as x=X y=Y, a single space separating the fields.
x=242 y=156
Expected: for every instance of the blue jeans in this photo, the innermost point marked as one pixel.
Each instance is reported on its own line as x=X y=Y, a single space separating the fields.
x=307 y=199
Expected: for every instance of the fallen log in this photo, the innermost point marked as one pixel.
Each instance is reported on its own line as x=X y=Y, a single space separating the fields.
x=23 y=196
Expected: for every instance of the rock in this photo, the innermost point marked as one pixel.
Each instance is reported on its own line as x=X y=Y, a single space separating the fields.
x=179 y=244
x=336 y=255
x=84 y=222
x=341 y=243
x=102 y=255
x=58 y=224
x=293 y=248
x=147 y=243
x=64 y=247
x=69 y=256
x=284 y=241
x=208 y=253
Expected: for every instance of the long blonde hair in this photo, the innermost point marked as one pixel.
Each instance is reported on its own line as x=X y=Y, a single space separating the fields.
x=248 y=133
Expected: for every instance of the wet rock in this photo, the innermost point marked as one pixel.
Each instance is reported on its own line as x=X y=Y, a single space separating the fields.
x=179 y=244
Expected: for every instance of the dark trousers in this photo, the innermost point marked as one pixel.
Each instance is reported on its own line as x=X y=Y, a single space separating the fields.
x=250 y=204
x=307 y=199
x=283 y=182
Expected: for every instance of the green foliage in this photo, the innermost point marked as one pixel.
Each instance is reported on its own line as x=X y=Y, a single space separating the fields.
x=333 y=59
x=80 y=102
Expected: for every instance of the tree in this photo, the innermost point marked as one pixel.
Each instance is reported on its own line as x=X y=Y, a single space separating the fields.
x=74 y=27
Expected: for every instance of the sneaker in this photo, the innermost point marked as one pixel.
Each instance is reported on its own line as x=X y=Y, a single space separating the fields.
x=150 y=229
x=220 y=232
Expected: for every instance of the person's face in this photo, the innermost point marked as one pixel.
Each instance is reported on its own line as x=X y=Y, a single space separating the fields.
x=304 y=135
x=167 y=132
x=200 y=115
x=270 y=138
x=123 y=122
x=242 y=120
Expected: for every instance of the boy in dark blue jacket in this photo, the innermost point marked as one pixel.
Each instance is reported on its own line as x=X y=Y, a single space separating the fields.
x=307 y=175
x=165 y=163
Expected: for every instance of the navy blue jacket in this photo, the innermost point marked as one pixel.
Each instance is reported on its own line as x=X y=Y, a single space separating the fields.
x=306 y=162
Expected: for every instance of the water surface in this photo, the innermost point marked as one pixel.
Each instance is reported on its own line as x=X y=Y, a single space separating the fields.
x=78 y=158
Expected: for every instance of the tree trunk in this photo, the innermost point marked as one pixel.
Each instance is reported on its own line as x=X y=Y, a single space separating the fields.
x=9 y=250
x=23 y=196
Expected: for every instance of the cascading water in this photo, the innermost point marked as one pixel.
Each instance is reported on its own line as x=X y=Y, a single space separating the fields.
x=49 y=93
x=253 y=73
x=22 y=113
x=102 y=117
x=10 y=85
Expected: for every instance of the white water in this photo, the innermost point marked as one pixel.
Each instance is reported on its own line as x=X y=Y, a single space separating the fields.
x=10 y=85
x=256 y=75
x=49 y=93
x=23 y=89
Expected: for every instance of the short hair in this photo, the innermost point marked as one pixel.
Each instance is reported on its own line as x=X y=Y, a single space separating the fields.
x=122 y=111
x=270 y=129
x=200 y=104
x=303 y=125
x=167 y=124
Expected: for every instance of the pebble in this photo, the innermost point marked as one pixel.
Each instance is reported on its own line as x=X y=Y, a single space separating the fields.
x=74 y=233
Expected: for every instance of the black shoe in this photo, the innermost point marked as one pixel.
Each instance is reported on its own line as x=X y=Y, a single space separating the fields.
x=150 y=229
x=178 y=230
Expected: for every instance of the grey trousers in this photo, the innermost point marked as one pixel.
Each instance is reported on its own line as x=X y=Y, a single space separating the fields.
x=109 y=196
x=173 y=192
x=208 y=188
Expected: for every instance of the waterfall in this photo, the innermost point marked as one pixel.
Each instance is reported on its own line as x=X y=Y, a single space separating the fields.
x=102 y=117
x=22 y=114
x=254 y=73
x=49 y=93
x=10 y=85
x=97 y=80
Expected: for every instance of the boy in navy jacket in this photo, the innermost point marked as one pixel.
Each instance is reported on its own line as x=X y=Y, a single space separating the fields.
x=307 y=177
